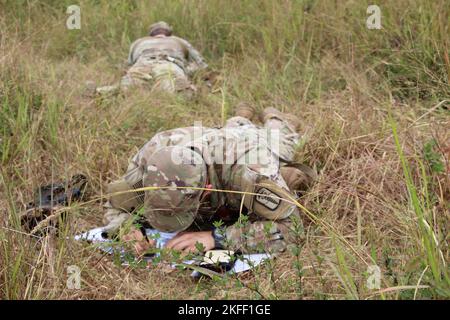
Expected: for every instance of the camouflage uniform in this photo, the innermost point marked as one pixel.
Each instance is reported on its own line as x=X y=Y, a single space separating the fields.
x=229 y=154
x=165 y=63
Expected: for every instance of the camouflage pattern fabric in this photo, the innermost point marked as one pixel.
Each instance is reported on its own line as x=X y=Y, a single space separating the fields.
x=226 y=152
x=173 y=208
x=175 y=49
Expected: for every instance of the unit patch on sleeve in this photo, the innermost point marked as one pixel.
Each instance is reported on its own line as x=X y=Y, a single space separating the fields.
x=268 y=199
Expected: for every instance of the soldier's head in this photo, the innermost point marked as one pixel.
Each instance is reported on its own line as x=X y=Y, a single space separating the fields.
x=160 y=28
x=179 y=177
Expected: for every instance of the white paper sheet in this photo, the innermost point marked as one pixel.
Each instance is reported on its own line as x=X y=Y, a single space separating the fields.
x=97 y=236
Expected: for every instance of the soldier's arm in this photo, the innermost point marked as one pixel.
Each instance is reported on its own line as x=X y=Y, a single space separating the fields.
x=130 y=53
x=263 y=235
x=115 y=217
x=196 y=61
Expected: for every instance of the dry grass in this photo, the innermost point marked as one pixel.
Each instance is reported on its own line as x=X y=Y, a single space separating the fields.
x=313 y=59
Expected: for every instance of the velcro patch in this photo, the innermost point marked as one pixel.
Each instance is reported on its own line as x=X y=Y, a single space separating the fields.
x=268 y=199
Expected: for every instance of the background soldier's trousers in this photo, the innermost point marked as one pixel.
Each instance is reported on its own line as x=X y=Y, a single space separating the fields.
x=157 y=74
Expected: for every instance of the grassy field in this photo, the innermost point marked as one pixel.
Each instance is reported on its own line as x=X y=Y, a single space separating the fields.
x=374 y=105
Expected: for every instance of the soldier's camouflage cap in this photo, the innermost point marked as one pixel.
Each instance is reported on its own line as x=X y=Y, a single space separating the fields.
x=160 y=25
x=173 y=207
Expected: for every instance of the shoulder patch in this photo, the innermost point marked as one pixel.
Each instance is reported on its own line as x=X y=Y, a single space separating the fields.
x=268 y=199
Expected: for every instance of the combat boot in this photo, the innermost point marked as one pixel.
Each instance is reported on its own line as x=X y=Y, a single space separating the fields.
x=245 y=110
x=270 y=113
x=298 y=178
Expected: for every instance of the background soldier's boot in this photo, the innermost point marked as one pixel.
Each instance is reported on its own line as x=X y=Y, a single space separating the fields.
x=245 y=110
x=107 y=90
x=90 y=89
x=270 y=113
x=296 y=179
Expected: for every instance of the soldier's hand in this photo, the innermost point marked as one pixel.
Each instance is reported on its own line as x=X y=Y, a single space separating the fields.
x=187 y=241
x=140 y=243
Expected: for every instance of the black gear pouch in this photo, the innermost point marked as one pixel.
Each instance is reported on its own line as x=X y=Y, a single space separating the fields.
x=50 y=197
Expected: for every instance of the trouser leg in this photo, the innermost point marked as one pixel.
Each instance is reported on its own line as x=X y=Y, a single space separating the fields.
x=134 y=76
x=169 y=77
